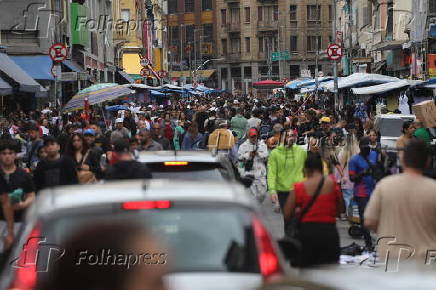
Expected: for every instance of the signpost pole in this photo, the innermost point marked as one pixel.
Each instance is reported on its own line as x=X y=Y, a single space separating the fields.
x=335 y=66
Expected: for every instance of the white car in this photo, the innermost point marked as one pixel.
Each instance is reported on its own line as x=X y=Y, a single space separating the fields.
x=215 y=233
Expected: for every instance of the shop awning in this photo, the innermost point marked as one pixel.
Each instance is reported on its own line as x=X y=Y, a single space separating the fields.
x=380 y=89
x=15 y=72
x=389 y=45
x=5 y=88
x=361 y=79
x=37 y=66
x=72 y=66
x=126 y=76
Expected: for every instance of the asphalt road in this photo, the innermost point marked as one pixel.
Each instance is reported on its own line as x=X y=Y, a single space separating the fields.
x=274 y=222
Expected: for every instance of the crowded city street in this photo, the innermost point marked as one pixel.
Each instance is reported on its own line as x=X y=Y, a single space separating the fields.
x=217 y=144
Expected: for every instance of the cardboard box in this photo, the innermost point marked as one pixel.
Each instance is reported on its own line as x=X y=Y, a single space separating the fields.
x=426 y=112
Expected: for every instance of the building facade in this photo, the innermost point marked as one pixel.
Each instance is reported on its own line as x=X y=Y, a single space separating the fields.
x=250 y=31
x=191 y=40
x=29 y=29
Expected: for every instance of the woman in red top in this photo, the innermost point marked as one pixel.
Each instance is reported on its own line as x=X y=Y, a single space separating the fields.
x=317 y=233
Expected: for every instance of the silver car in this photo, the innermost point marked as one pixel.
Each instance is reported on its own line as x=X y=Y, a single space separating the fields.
x=214 y=231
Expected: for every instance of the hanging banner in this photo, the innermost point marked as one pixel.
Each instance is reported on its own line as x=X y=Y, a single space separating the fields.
x=431 y=65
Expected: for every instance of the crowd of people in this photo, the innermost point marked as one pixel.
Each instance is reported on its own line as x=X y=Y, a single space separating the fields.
x=279 y=147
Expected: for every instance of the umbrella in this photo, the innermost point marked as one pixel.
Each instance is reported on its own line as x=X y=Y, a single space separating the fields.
x=97 y=94
x=268 y=84
x=116 y=108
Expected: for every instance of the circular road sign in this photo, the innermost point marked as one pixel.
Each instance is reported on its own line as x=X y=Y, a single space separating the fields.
x=334 y=52
x=144 y=62
x=58 y=52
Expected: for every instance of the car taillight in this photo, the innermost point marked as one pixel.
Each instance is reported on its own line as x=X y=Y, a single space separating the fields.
x=268 y=259
x=146 y=204
x=26 y=274
x=175 y=163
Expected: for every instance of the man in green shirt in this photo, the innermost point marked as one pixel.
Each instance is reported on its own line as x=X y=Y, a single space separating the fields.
x=285 y=168
x=422 y=133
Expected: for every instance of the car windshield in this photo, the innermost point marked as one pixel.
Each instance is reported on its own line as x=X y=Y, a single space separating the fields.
x=195 y=245
x=190 y=171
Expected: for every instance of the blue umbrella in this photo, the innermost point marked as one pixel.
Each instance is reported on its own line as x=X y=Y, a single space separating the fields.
x=116 y=108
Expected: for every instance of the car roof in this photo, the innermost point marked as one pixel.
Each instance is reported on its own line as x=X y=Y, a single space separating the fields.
x=188 y=156
x=75 y=196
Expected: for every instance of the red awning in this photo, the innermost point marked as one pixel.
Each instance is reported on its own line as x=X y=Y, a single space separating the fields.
x=268 y=84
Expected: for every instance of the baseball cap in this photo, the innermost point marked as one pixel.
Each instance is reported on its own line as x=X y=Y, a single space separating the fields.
x=119 y=120
x=252 y=132
x=325 y=120
x=89 y=132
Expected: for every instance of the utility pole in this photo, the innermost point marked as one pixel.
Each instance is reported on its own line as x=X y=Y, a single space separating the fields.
x=318 y=16
x=335 y=66
x=350 y=30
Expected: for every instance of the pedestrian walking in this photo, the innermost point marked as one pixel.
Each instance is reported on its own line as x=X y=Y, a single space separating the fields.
x=402 y=208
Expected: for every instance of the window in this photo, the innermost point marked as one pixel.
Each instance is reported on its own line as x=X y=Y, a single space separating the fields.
x=234 y=16
x=367 y=13
x=432 y=7
x=294 y=71
x=276 y=12
x=206 y=5
x=125 y=14
x=260 y=13
x=247 y=44
x=247 y=72
x=208 y=32
x=235 y=44
x=172 y=6
x=293 y=12
x=313 y=42
x=313 y=13
x=175 y=35
x=189 y=5
x=268 y=14
x=312 y=69
x=331 y=39
x=223 y=17
x=189 y=34
x=224 y=46
x=294 y=43
x=390 y=25
x=247 y=14
x=260 y=44
x=330 y=13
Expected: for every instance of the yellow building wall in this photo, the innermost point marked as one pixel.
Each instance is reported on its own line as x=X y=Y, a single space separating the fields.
x=131 y=63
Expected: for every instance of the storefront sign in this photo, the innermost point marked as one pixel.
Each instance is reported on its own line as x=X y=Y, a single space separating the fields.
x=431 y=65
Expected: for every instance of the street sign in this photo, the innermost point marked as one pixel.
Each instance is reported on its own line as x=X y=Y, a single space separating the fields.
x=280 y=55
x=334 y=52
x=58 y=52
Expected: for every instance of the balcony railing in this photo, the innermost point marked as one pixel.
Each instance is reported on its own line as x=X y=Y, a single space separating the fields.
x=267 y=25
x=234 y=27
